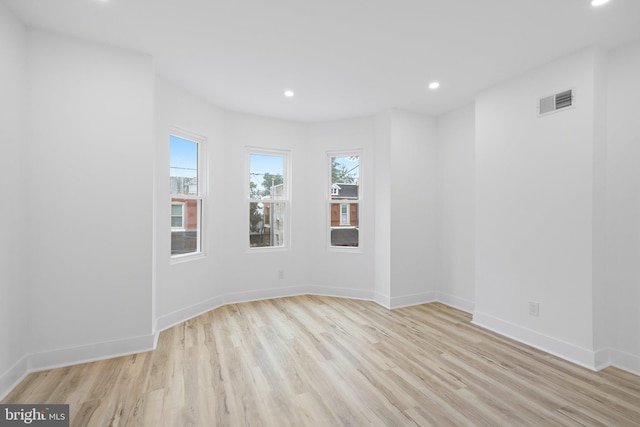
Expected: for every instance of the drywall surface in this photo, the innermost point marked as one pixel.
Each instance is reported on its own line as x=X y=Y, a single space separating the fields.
x=345 y=271
x=185 y=283
x=413 y=207
x=13 y=285
x=253 y=273
x=382 y=228
x=534 y=209
x=623 y=207
x=456 y=207
x=90 y=111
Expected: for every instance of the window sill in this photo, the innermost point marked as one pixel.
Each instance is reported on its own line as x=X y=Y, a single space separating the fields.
x=179 y=259
x=345 y=249
x=267 y=249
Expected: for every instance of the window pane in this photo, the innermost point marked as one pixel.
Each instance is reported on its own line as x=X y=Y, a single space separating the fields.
x=344 y=170
x=186 y=195
x=266 y=175
x=345 y=187
x=344 y=224
x=267 y=218
x=183 y=166
x=184 y=240
x=266 y=224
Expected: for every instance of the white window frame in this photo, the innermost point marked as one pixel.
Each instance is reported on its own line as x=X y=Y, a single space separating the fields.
x=285 y=200
x=200 y=195
x=348 y=202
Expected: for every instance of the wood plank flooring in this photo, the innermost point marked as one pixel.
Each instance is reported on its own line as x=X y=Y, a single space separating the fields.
x=320 y=361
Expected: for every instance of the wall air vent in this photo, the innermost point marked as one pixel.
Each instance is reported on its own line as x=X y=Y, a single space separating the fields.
x=557 y=102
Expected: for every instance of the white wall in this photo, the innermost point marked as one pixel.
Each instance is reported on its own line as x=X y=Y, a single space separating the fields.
x=534 y=211
x=413 y=208
x=623 y=207
x=185 y=289
x=13 y=285
x=406 y=179
x=90 y=114
x=254 y=274
x=456 y=205
x=601 y=324
x=382 y=264
x=343 y=272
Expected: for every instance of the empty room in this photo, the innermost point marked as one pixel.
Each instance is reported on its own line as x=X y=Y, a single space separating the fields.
x=291 y=213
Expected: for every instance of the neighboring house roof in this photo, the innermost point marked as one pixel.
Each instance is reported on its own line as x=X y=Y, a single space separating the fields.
x=344 y=191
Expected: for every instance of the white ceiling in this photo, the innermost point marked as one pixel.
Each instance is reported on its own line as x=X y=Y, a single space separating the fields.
x=343 y=58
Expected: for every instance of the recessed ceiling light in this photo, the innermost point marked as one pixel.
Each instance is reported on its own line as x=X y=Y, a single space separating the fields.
x=288 y=93
x=598 y=2
x=434 y=85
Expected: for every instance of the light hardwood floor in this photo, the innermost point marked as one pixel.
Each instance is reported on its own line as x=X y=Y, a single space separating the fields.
x=322 y=361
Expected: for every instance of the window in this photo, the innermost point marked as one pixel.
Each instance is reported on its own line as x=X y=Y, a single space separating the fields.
x=344 y=200
x=177 y=216
x=344 y=214
x=268 y=198
x=186 y=193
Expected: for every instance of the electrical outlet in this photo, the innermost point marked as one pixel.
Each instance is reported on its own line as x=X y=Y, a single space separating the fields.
x=534 y=309
x=280 y=274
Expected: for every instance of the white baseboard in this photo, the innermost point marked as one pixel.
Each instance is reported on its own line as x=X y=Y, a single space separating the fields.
x=453 y=301
x=383 y=300
x=416 y=299
x=619 y=359
x=602 y=359
x=58 y=358
x=625 y=361
x=12 y=376
x=90 y=353
x=578 y=355
x=176 y=317
x=169 y=320
x=361 y=294
x=264 y=294
x=392 y=303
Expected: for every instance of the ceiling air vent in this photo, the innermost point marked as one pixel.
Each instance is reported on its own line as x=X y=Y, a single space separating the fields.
x=557 y=102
